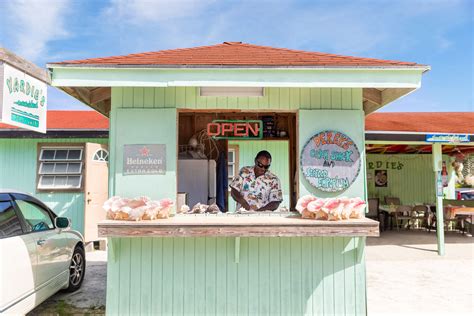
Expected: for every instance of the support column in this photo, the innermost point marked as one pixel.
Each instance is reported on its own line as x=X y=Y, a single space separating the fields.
x=437 y=166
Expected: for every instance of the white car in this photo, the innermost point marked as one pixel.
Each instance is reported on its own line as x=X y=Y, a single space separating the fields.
x=39 y=253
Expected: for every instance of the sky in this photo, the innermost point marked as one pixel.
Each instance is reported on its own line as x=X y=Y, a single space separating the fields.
x=439 y=33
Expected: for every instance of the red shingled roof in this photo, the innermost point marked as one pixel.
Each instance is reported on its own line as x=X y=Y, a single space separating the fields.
x=422 y=122
x=238 y=54
x=69 y=120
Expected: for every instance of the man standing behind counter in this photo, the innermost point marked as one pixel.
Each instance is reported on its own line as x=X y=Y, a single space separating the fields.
x=256 y=188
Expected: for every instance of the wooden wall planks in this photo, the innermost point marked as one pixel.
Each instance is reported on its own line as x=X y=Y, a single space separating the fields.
x=286 y=276
x=286 y=99
x=414 y=183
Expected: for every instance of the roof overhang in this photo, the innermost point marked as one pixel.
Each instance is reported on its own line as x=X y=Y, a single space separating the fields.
x=381 y=85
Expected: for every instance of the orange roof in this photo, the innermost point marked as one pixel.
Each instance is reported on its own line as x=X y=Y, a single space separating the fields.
x=72 y=120
x=422 y=122
x=239 y=54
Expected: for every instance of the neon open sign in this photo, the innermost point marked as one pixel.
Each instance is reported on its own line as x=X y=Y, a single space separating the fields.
x=235 y=129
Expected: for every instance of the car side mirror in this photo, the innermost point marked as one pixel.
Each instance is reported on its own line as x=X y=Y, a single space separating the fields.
x=62 y=222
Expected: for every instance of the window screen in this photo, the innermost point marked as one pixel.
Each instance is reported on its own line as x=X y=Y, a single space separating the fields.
x=60 y=168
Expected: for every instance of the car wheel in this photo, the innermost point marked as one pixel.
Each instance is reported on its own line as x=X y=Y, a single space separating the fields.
x=77 y=269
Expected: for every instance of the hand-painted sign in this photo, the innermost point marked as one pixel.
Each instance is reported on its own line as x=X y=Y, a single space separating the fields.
x=23 y=100
x=330 y=161
x=144 y=159
x=394 y=165
x=447 y=138
x=235 y=129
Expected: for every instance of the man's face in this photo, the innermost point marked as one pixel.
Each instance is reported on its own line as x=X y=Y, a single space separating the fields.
x=262 y=164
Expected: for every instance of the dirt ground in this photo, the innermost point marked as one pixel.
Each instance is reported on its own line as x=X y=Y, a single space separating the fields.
x=405 y=276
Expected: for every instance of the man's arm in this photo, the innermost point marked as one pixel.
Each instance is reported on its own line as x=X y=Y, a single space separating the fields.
x=239 y=198
x=270 y=206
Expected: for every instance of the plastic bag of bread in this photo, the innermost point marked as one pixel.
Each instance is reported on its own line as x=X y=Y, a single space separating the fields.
x=358 y=208
x=165 y=208
x=137 y=213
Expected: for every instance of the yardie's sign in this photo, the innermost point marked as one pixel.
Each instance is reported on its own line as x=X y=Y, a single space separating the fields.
x=23 y=99
x=235 y=129
x=144 y=159
x=330 y=161
x=448 y=138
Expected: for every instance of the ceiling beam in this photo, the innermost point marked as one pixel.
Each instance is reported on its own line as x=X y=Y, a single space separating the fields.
x=84 y=95
x=370 y=107
x=100 y=94
x=372 y=95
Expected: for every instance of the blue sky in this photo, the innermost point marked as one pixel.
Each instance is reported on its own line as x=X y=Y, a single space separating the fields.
x=439 y=33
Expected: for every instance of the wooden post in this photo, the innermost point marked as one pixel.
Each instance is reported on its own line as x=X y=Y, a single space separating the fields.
x=437 y=166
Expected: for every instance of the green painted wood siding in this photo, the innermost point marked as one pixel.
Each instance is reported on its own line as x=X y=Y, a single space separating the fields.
x=274 y=276
x=143 y=126
x=284 y=99
x=348 y=122
x=18 y=171
x=414 y=183
x=280 y=162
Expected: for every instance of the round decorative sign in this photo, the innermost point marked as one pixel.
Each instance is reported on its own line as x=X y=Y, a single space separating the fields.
x=330 y=161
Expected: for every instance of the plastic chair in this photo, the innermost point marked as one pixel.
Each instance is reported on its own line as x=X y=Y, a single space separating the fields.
x=374 y=213
x=403 y=212
x=420 y=214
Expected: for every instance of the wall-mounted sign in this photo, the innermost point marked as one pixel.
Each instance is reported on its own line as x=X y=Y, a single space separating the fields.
x=144 y=159
x=447 y=138
x=235 y=129
x=394 y=165
x=23 y=99
x=330 y=161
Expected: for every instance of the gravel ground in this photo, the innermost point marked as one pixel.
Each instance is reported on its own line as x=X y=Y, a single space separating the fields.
x=89 y=299
x=405 y=276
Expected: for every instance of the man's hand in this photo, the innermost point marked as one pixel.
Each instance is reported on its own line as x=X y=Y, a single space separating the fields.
x=270 y=206
x=239 y=199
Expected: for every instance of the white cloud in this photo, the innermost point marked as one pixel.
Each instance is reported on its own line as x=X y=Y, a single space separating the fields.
x=146 y=11
x=32 y=24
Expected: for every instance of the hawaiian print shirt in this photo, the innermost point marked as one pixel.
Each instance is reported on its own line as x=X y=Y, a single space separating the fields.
x=257 y=191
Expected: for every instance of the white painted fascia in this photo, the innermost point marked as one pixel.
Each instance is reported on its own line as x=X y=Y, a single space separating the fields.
x=386 y=77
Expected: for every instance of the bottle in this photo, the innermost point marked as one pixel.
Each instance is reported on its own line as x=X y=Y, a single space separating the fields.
x=444 y=175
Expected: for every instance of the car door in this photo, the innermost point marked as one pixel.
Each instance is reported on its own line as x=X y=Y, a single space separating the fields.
x=17 y=256
x=52 y=258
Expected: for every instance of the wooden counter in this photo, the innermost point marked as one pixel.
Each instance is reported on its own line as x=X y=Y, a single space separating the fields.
x=230 y=225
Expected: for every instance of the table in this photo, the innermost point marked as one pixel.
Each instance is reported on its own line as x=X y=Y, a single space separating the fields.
x=389 y=209
x=467 y=211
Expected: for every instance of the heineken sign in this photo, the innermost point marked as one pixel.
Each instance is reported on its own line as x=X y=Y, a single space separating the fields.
x=144 y=159
x=330 y=161
x=23 y=99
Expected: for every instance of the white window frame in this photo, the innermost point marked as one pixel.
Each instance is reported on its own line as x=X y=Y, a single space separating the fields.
x=235 y=164
x=41 y=174
x=106 y=160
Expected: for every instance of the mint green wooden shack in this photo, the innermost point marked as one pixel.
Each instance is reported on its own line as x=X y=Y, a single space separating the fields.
x=234 y=266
